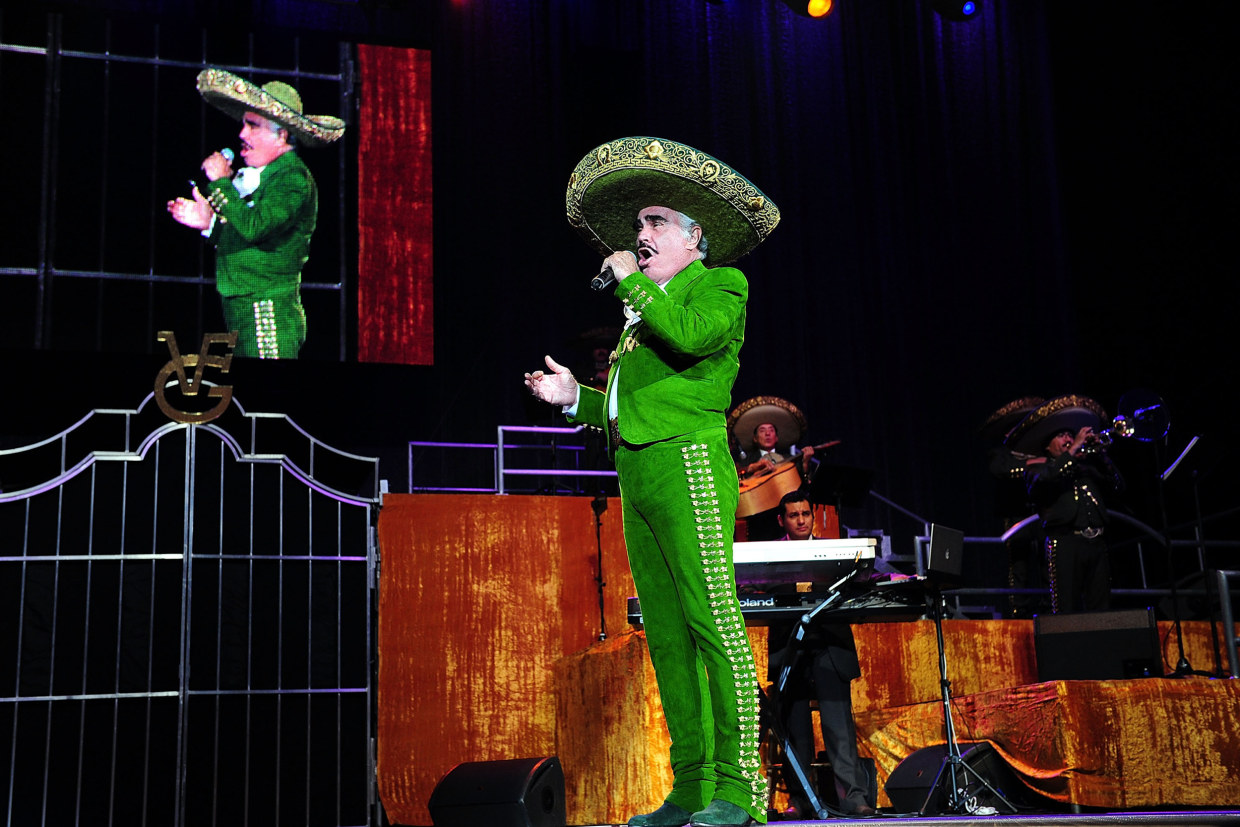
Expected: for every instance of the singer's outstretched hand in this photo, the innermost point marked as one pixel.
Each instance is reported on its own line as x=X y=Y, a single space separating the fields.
x=557 y=387
x=196 y=213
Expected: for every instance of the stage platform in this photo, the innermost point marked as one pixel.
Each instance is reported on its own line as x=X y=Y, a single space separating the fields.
x=495 y=642
x=1134 y=819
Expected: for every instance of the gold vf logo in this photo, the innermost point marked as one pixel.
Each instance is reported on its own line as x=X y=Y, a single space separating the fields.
x=191 y=385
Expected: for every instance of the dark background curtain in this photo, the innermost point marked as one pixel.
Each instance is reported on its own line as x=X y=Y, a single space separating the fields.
x=1032 y=203
x=1036 y=202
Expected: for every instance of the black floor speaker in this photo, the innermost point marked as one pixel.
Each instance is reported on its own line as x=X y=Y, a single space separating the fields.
x=1097 y=646
x=518 y=792
x=910 y=784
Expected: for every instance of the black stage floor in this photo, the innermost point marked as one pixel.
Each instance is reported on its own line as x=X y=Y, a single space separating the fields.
x=1145 y=819
x=1161 y=818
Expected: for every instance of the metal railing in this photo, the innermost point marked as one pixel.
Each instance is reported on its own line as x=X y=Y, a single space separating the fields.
x=562 y=457
x=1224 y=590
x=569 y=442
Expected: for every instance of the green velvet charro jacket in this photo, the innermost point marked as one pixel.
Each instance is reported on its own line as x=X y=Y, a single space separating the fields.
x=676 y=376
x=261 y=245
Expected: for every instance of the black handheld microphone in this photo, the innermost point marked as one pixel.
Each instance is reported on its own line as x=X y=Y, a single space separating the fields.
x=603 y=279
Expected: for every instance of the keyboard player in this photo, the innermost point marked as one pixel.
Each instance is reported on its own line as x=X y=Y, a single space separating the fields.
x=825 y=670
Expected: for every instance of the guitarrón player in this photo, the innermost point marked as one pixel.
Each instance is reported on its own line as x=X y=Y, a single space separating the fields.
x=766 y=444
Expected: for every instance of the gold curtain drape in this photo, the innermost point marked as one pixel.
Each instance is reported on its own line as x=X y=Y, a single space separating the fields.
x=480 y=597
x=1152 y=742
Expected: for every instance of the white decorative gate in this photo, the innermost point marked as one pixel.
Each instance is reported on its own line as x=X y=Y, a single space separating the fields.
x=187 y=624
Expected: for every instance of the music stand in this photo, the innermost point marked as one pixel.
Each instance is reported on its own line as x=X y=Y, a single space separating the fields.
x=1197 y=464
x=840 y=485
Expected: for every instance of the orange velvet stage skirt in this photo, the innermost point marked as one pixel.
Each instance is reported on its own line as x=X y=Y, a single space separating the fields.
x=493 y=645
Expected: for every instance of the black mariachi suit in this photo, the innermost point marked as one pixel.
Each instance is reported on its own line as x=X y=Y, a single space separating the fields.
x=1069 y=493
x=825 y=670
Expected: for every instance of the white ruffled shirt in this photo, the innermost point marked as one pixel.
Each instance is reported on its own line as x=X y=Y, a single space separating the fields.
x=244 y=182
x=631 y=318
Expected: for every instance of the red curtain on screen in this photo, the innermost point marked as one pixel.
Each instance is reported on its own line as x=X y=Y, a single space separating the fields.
x=394 y=257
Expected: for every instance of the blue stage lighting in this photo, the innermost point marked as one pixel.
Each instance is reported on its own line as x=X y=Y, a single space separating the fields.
x=957 y=9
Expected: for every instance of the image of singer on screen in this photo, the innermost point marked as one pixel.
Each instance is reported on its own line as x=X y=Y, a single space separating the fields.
x=261 y=217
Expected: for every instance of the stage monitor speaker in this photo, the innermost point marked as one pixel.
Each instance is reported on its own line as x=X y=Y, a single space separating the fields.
x=911 y=785
x=1097 y=646
x=518 y=792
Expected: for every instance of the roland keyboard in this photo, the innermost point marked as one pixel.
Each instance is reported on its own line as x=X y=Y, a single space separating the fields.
x=863 y=605
x=784 y=562
x=767 y=574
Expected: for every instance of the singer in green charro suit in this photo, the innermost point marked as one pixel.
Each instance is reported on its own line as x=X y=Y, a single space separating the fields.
x=684 y=215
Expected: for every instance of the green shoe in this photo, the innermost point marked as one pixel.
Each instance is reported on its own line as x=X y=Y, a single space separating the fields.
x=669 y=815
x=720 y=814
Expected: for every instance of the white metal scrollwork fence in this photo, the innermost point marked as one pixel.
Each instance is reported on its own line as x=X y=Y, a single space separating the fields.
x=187 y=633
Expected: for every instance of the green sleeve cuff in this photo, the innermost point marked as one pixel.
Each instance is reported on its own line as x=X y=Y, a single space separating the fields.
x=590 y=408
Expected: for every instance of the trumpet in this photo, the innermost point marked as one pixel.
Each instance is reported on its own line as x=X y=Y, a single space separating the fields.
x=1142 y=417
x=1120 y=427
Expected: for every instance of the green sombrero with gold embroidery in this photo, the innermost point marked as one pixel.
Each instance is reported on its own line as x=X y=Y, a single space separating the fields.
x=276 y=101
x=618 y=179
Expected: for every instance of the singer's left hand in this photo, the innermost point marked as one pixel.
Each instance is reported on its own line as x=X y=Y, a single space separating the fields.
x=196 y=213
x=622 y=264
x=556 y=385
x=216 y=166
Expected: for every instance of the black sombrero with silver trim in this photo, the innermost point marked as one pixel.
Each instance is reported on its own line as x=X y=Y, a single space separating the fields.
x=1063 y=413
x=1000 y=423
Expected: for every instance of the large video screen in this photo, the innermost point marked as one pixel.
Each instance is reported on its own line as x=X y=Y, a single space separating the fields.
x=107 y=126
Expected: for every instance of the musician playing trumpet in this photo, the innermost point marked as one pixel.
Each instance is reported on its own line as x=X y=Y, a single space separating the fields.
x=1069 y=491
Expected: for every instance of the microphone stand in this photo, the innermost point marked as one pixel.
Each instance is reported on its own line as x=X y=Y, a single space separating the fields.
x=599 y=504
x=954 y=769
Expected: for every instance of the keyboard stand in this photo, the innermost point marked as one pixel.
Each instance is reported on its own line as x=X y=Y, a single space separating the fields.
x=792 y=654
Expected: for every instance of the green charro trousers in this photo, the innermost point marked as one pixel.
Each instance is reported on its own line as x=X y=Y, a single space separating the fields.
x=679 y=498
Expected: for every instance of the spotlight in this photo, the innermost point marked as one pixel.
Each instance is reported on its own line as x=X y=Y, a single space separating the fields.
x=811 y=8
x=957 y=9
